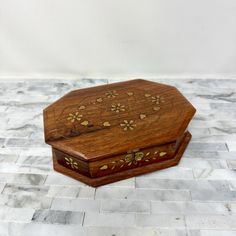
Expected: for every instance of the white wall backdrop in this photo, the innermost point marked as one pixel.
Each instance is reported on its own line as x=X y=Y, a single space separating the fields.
x=100 y=38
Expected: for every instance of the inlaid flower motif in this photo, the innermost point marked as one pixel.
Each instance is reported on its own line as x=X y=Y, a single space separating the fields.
x=111 y=94
x=138 y=156
x=128 y=158
x=128 y=125
x=72 y=117
x=117 y=107
x=70 y=162
x=134 y=158
x=157 y=99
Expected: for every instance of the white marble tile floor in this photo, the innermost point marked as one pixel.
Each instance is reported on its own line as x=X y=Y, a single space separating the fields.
x=195 y=198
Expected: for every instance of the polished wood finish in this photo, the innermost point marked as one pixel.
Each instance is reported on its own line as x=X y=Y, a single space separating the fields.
x=106 y=131
x=95 y=182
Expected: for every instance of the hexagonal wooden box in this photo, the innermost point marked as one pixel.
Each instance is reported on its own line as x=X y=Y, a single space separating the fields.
x=112 y=132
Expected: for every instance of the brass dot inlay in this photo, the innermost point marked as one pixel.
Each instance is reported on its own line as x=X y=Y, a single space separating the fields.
x=161 y=154
x=156 y=108
x=99 y=100
x=81 y=107
x=85 y=123
x=104 y=167
x=142 y=116
x=106 y=124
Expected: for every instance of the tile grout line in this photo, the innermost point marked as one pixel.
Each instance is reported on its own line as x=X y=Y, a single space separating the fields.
x=227 y=147
x=83 y=219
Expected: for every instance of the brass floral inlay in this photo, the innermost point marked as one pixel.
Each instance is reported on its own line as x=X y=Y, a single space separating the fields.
x=133 y=158
x=128 y=158
x=117 y=107
x=111 y=94
x=74 y=117
x=128 y=125
x=70 y=162
x=157 y=99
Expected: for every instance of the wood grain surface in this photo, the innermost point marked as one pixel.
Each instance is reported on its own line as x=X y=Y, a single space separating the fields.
x=95 y=182
x=90 y=129
x=110 y=132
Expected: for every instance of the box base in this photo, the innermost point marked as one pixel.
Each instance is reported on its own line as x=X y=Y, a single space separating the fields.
x=95 y=182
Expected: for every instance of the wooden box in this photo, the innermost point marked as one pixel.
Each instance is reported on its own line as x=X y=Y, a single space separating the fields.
x=112 y=132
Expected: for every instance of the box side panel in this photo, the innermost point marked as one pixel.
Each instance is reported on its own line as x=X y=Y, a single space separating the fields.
x=133 y=159
x=126 y=161
x=71 y=162
x=95 y=182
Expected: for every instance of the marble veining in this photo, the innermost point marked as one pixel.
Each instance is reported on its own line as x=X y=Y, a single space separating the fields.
x=195 y=198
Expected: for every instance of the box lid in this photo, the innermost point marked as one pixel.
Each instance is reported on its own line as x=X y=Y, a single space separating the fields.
x=102 y=121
